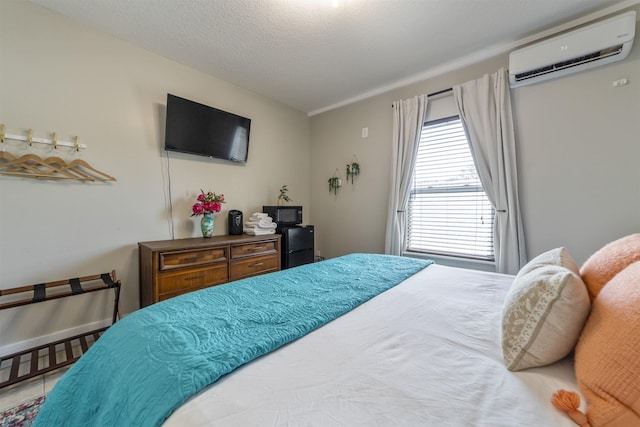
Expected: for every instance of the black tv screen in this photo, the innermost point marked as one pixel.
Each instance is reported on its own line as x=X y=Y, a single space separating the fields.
x=206 y=131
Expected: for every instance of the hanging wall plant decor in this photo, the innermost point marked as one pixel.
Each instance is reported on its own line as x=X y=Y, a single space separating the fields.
x=353 y=169
x=335 y=182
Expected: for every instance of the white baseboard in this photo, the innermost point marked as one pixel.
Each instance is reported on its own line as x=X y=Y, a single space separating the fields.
x=19 y=346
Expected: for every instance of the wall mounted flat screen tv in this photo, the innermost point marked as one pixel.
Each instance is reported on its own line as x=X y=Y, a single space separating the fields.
x=205 y=131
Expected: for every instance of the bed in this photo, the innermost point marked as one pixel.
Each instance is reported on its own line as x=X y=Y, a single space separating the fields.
x=425 y=351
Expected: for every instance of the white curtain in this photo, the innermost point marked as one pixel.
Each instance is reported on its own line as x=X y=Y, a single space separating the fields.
x=408 y=118
x=485 y=109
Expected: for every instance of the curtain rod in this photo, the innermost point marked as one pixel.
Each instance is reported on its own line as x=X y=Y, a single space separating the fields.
x=440 y=92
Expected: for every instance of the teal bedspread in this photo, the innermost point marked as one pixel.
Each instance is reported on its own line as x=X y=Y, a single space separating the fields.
x=149 y=363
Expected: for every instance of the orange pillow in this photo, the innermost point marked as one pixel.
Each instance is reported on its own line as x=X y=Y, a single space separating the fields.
x=609 y=261
x=607 y=356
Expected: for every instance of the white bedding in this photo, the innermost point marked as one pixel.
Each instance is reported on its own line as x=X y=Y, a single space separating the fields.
x=426 y=353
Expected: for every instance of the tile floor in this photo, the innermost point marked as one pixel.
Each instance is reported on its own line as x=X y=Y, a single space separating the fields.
x=34 y=387
x=29 y=389
x=41 y=385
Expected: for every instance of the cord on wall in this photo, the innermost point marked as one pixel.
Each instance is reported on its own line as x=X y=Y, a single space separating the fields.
x=171 y=227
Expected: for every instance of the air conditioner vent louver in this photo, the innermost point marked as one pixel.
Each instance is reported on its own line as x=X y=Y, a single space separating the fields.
x=590 y=46
x=570 y=63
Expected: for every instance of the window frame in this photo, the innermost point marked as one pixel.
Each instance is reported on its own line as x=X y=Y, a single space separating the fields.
x=456 y=257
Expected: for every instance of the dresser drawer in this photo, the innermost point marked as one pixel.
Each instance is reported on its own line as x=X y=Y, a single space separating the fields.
x=252 y=249
x=192 y=279
x=252 y=266
x=169 y=268
x=181 y=259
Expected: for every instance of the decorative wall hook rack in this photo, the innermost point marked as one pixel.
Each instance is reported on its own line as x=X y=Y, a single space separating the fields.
x=33 y=166
x=30 y=139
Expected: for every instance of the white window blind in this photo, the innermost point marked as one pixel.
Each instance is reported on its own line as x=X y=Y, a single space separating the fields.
x=448 y=211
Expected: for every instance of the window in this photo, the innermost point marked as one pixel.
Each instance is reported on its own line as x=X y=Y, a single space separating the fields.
x=449 y=212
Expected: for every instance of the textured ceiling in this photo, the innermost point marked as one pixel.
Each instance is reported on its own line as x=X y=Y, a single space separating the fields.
x=316 y=54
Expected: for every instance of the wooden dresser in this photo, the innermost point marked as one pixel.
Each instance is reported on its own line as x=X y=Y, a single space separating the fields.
x=172 y=267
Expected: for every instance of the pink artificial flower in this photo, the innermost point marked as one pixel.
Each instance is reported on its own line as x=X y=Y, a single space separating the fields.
x=207 y=203
x=198 y=209
x=208 y=207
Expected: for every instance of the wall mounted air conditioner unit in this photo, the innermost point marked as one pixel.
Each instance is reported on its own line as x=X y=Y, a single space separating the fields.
x=596 y=44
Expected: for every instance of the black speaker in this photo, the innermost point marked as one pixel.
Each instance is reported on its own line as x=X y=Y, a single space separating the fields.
x=235 y=222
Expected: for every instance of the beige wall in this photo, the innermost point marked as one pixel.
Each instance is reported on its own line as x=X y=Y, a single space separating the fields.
x=578 y=154
x=355 y=219
x=57 y=76
x=577 y=145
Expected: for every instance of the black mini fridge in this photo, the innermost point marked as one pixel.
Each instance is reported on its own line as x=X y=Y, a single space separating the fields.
x=297 y=246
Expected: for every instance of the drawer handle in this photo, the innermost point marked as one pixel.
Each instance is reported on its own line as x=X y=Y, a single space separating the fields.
x=257 y=264
x=199 y=276
x=258 y=248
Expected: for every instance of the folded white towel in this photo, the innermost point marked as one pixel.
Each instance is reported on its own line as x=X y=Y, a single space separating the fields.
x=258 y=231
x=261 y=224
x=258 y=216
x=268 y=225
